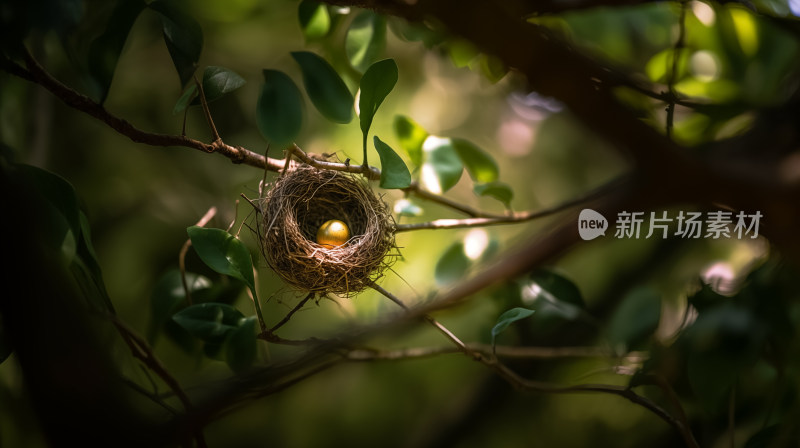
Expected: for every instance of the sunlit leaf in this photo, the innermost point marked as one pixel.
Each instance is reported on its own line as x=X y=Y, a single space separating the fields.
x=394 y=172
x=325 y=88
x=746 y=30
x=376 y=84
x=508 y=318
x=552 y=294
x=365 y=40
x=405 y=207
x=442 y=167
x=480 y=165
x=279 y=113
x=210 y=322
x=223 y=253
x=493 y=68
x=452 y=266
x=636 y=318
x=240 y=346
x=314 y=19
x=411 y=137
x=183 y=36
x=462 y=52
x=660 y=66
x=105 y=50
x=498 y=190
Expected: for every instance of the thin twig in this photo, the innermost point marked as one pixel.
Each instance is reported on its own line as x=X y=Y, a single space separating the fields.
x=142 y=351
x=206 y=111
x=732 y=417
x=288 y=316
x=536 y=386
x=674 y=401
x=512 y=218
x=621 y=391
x=185 y=249
x=366 y=354
x=442 y=329
x=370 y=172
x=674 y=62
x=35 y=73
x=152 y=397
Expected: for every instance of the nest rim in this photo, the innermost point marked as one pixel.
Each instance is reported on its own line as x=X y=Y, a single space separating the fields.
x=301 y=200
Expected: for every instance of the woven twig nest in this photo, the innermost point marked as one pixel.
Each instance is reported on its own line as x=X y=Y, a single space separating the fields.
x=297 y=205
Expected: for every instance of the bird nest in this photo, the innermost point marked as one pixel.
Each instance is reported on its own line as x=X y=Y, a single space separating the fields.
x=293 y=210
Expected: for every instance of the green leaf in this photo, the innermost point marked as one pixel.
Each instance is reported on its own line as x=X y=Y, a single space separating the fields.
x=240 y=346
x=211 y=322
x=480 y=165
x=62 y=225
x=498 y=190
x=493 y=68
x=5 y=344
x=411 y=137
x=58 y=235
x=376 y=84
x=552 y=294
x=442 y=165
x=659 y=68
x=105 y=50
x=215 y=350
x=314 y=19
x=772 y=436
x=87 y=255
x=508 y=318
x=183 y=102
x=183 y=36
x=58 y=192
x=405 y=207
x=721 y=343
x=462 y=52
x=168 y=296
x=452 y=266
x=217 y=81
x=636 y=318
x=394 y=172
x=223 y=253
x=365 y=40
x=279 y=113
x=325 y=88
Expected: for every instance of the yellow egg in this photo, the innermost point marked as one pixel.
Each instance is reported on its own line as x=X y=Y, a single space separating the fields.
x=333 y=233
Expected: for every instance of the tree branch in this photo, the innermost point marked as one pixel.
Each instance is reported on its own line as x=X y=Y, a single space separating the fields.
x=37 y=74
x=142 y=351
x=512 y=218
x=502 y=351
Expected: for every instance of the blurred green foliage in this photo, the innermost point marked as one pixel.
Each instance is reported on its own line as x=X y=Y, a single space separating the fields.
x=453 y=109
